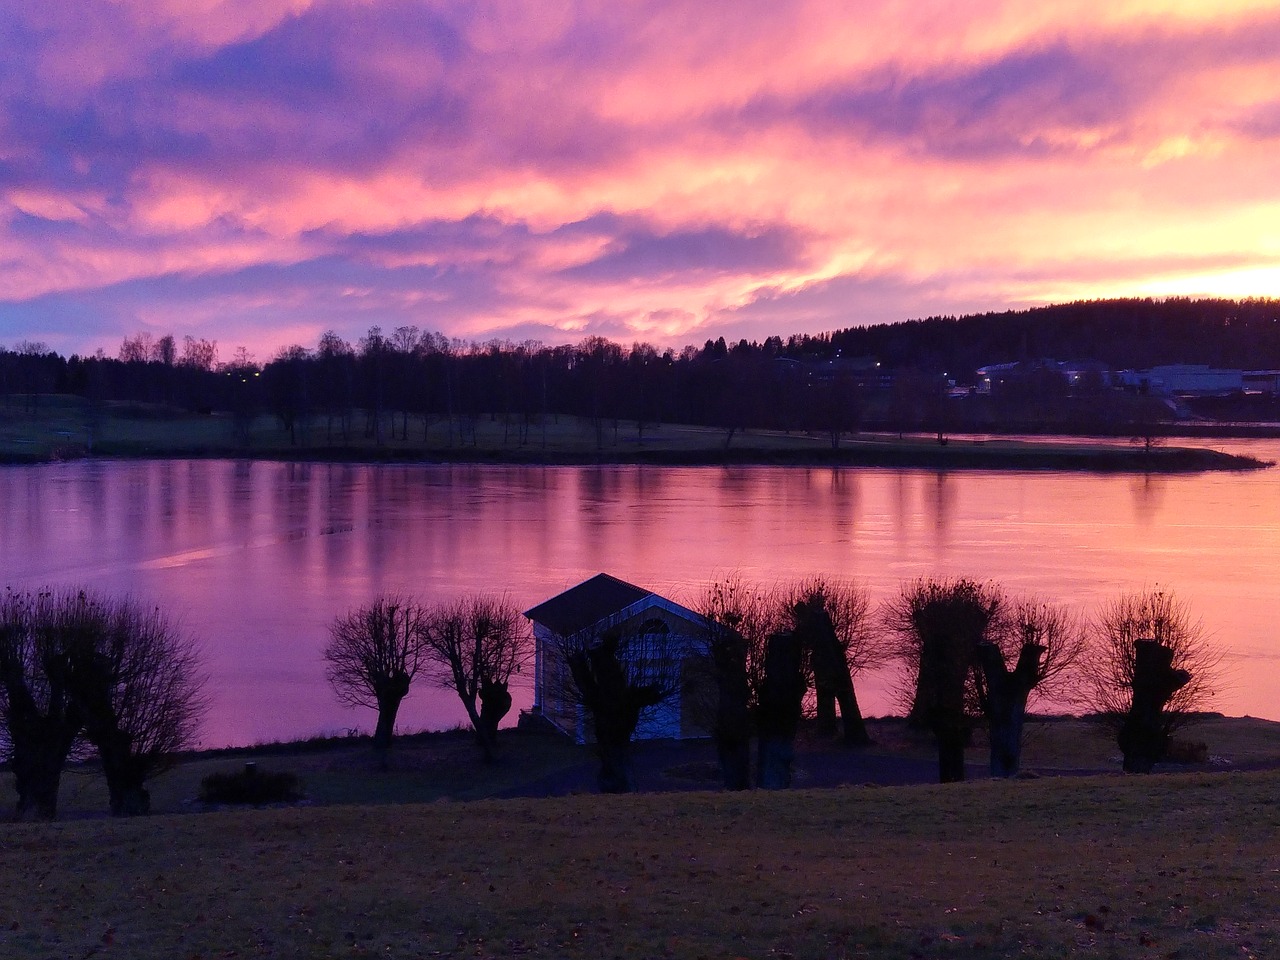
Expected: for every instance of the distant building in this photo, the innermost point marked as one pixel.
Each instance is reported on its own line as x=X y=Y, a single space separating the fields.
x=1188 y=379
x=1262 y=381
x=661 y=636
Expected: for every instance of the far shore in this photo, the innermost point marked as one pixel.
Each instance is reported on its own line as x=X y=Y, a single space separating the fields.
x=65 y=428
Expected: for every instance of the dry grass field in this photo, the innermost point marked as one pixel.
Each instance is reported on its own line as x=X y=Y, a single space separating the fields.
x=427 y=768
x=1171 y=866
x=394 y=863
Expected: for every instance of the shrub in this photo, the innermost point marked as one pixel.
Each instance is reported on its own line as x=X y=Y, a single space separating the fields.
x=250 y=786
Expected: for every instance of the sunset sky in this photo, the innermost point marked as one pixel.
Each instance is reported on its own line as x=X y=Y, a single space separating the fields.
x=259 y=171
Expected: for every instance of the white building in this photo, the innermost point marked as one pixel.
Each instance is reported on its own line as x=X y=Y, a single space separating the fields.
x=659 y=636
x=1185 y=379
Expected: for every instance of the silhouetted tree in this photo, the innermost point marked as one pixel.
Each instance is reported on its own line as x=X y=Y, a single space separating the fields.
x=778 y=713
x=618 y=676
x=136 y=680
x=1149 y=670
x=834 y=617
x=41 y=720
x=1046 y=643
x=739 y=620
x=373 y=654
x=113 y=671
x=940 y=624
x=475 y=645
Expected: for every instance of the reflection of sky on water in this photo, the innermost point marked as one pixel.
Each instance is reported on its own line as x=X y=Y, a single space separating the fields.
x=257 y=558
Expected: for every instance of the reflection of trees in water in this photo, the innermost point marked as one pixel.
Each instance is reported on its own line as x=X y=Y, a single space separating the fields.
x=646 y=491
x=845 y=498
x=901 y=505
x=1148 y=492
x=942 y=500
x=937 y=508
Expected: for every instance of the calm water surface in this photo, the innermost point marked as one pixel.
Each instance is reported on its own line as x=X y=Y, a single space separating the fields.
x=257 y=558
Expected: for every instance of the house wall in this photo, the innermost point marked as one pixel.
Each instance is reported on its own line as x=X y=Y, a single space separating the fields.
x=677 y=651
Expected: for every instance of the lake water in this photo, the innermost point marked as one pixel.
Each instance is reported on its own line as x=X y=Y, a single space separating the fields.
x=257 y=558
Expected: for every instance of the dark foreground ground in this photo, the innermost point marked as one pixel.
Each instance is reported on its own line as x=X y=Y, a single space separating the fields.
x=1178 y=866
x=430 y=767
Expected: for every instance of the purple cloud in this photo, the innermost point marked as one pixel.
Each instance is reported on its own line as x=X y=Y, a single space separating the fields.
x=687 y=254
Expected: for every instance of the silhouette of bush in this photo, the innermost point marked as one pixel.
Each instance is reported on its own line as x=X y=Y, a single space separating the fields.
x=1187 y=751
x=250 y=787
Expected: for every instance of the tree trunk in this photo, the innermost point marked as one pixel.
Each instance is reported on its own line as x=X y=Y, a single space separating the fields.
x=733 y=712
x=495 y=703
x=389 y=691
x=388 y=707
x=39 y=742
x=779 y=713
x=615 y=706
x=832 y=681
x=38 y=756
x=855 y=727
x=1006 y=706
x=951 y=743
x=944 y=669
x=125 y=773
x=1144 y=735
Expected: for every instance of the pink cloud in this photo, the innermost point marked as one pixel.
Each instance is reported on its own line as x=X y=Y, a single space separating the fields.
x=657 y=169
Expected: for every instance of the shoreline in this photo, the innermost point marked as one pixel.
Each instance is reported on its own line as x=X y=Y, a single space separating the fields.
x=65 y=428
x=960 y=454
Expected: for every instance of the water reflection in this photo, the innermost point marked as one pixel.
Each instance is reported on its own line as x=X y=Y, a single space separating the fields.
x=1148 y=497
x=259 y=557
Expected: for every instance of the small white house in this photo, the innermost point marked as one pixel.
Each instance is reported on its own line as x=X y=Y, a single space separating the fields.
x=660 y=636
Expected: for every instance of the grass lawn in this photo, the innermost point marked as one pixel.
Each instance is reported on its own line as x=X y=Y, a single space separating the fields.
x=1161 y=866
x=426 y=768
x=389 y=863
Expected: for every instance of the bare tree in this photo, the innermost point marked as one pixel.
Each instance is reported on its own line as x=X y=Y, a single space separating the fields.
x=940 y=625
x=137 y=680
x=40 y=720
x=118 y=673
x=620 y=676
x=475 y=644
x=840 y=642
x=1045 y=642
x=374 y=652
x=739 y=620
x=1149 y=670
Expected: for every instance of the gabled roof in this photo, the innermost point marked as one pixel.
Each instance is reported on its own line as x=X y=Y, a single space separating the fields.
x=588 y=603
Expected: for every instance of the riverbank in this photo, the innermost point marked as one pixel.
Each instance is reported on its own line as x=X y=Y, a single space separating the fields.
x=1175 y=865
x=62 y=428
x=432 y=767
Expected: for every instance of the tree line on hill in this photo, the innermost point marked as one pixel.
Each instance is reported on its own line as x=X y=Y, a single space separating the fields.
x=887 y=376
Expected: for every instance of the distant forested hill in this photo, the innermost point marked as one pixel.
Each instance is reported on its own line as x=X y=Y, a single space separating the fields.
x=1122 y=333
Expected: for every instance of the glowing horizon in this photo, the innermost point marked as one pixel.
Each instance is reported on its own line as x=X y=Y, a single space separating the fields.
x=260 y=171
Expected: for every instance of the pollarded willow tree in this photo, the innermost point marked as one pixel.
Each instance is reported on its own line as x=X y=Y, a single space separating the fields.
x=137 y=679
x=940 y=625
x=475 y=645
x=373 y=654
x=1045 y=642
x=1150 y=669
x=956 y=640
x=620 y=676
x=739 y=619
x=40 y=720
x=840 y=641
x=79 y=667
